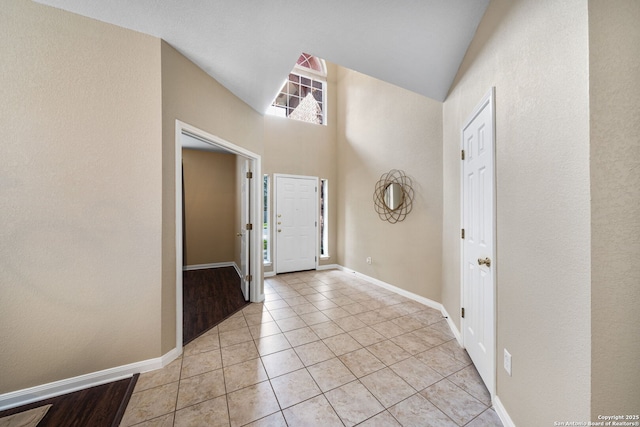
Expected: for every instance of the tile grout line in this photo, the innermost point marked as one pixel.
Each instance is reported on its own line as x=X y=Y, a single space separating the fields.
x=387 y=366
x=395 y=310
x=224 y=377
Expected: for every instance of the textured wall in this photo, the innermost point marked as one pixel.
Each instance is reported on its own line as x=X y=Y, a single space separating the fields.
x=614 y=75
x=383 y=127
x=536 y=55
x=80 y=196
x=192 y=96
x=210 y=206
x=299 y=148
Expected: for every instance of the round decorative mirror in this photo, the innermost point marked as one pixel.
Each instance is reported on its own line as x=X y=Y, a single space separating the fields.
x=393 y=196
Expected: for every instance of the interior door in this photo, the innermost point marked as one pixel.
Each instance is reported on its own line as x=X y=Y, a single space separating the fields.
x=245 y=232
x=478 y=247
x=296 y=223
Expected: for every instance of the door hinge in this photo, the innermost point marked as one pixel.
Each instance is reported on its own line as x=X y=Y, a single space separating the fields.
x=249 y=175
x=462 y=312
x=249 y=227
x=462 y=233
x=462 y=154
x=248 y=277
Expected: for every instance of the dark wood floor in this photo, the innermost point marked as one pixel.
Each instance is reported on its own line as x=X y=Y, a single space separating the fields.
x=99 y=406
x=209 y=296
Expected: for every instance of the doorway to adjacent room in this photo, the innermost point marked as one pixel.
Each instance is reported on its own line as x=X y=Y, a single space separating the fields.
x=250 y=205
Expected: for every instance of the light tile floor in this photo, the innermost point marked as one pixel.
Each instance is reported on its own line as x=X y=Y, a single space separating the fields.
x=324 y=349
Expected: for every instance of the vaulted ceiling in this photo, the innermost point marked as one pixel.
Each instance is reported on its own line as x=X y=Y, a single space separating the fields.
x=249 y=46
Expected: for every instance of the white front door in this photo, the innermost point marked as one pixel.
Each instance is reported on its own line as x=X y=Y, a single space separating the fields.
x=478 y=247
x=296 y=222
x=245 y=235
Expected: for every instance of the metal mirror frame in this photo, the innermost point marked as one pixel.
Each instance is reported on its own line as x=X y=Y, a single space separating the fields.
x=402 y=181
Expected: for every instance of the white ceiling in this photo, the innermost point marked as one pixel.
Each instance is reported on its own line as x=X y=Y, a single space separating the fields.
x=249 y=46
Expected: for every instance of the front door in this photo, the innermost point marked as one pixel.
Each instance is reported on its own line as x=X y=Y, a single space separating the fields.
x=296 y=222
x=478 y=248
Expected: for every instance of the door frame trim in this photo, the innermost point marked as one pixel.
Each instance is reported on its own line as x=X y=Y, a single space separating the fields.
x=274 y=261
x=488 y=98
x=256 y=293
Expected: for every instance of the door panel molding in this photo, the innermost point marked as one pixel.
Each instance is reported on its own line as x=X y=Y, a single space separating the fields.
x=478 y=220
x=277 y=253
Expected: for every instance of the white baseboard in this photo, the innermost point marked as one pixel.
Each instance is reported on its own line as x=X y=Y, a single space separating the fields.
x=211 y=265
x=328 y=267
x=452 y=326
x=502 y=413
x=69 y=385
x=397 y=290
x=499 y=408
x=319 y=268
x=237 y=270
x=422 y=300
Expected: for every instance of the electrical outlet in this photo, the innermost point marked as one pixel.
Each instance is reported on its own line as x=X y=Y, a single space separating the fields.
x=369 y=260
x=507 y=362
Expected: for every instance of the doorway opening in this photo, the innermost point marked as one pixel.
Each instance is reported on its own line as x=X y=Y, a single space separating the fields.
x=250 y=209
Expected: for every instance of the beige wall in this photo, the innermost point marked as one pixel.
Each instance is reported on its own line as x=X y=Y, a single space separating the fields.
x=80 y=196
x=383 y=127
x=87 y=193
x=536 y=55
x=299 y=148
x=210 y=194
x=192 y=96
x=614 y=76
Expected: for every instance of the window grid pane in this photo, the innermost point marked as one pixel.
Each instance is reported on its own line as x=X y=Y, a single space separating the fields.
x=302 y=98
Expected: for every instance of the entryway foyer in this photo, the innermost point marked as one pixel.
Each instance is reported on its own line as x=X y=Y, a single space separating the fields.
x=325 y=348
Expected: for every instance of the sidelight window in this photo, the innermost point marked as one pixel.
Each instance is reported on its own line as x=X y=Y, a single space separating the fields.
x=324 y=213
x=266 y=241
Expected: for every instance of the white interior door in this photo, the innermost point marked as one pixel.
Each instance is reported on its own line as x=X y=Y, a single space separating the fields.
x=296 y=223
x=478 y=247
x=245 y=234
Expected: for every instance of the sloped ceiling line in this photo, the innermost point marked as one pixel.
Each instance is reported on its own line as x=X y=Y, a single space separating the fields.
x=249 y=46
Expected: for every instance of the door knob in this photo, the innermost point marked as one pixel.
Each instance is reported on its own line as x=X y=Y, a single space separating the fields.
x=239 y=234
x=279 y=231
x=485 y=261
